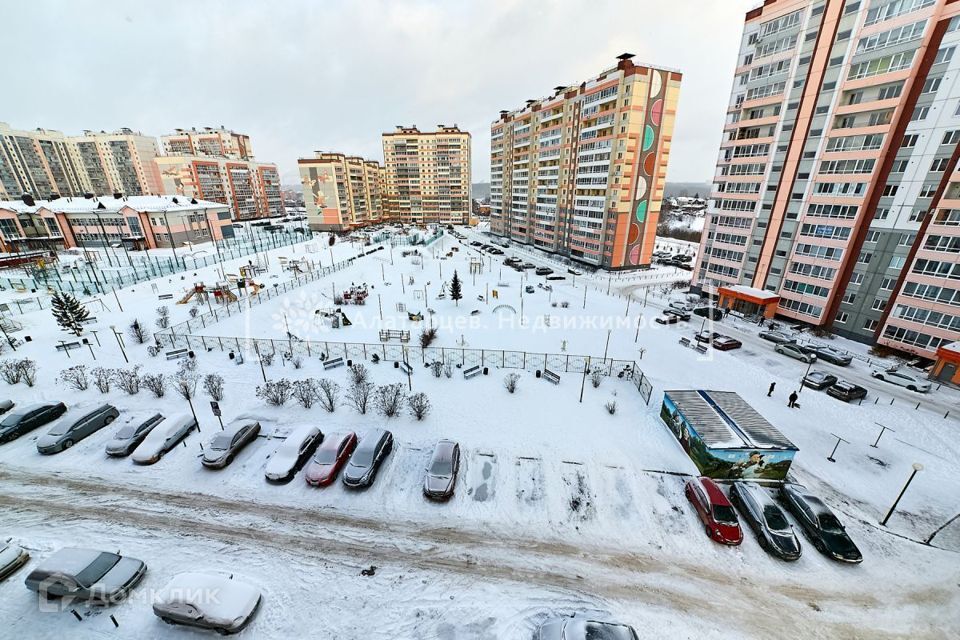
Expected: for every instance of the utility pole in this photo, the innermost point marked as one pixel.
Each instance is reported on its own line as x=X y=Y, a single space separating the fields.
x=916 y=467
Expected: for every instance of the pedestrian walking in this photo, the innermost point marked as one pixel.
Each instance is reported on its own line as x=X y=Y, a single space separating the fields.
x=793 y=400
x=773 y=385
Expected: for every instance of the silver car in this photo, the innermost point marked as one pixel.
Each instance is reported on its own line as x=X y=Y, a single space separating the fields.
x=75 y=427
x=12 y=558
x=441 y=477
x=224 y=446
x=131 y=433
x=793 y=351
x=208 y=601
x=163 y=438
x=584 y=629
x=86 y=574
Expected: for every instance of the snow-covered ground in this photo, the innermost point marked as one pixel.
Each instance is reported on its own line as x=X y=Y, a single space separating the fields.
x=560 y=506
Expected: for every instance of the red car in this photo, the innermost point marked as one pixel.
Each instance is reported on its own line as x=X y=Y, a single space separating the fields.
x=725 y=343
x=715 y=510
x=330 y=458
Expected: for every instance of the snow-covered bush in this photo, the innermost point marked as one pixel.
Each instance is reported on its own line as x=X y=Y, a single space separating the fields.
x=213 y=385
x=359 y=395
x=102 y=378
x=267 y=358
x=10 y=371
x=75 y=378
x=128 y=379
x=163 y=317
x=275 y=392
x=358 y=374
x=297 y=362
x=596 y=377
x=611 y=407
x=419 y=405
x=389 y=399
x=153 y=350
x=448 y=370
x=427 y=337
x=193 y=311
x=510 y=382
x=138 y=332
x=185 y=383
x=329 y=394
x=436 y=368
x=306 y=392
x=187 y=364
x=28 y=371
x=155 y=383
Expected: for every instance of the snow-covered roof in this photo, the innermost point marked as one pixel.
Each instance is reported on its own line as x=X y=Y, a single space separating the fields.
x=725 y=421
x=953 y=346
x=91 y=205
x=753 y=292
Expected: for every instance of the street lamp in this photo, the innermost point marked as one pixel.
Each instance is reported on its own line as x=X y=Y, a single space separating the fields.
x=916 y=467
x=806 y=373
x=116 y=334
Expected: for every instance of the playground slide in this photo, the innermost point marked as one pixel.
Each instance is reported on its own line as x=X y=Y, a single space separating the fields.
x=185 y=299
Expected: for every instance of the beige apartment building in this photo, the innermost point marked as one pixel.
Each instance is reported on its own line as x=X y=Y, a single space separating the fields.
x=251 y=189
x=427 y=175
x=218 y=143
x=581 y=172
x=341 y=192
x=44 y=162
x=836 y=197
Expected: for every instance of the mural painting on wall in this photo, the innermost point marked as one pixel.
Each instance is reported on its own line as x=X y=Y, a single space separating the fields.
x=646 y=165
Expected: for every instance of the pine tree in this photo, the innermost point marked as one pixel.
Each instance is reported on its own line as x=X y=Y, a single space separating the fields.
x=69 y=313
x=455 y=288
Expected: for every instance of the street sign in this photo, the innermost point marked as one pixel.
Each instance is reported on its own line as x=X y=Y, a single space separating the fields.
x=215 y=406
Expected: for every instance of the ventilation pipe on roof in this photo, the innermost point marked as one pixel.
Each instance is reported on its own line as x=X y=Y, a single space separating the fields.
x=117 y=195
x=88 y=196
x=27 y=199
x=53 y=196
x=100 y=205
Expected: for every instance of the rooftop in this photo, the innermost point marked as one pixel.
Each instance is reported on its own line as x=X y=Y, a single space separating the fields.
x=751 y=292
x=725 y=421
x=109 y=203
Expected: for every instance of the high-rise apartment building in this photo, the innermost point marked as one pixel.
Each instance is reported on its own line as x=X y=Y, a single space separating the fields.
x=218 y=165
x=427 y=175
x=341 y=192
x=44 y=162
x=836 y=195
x=581 y=173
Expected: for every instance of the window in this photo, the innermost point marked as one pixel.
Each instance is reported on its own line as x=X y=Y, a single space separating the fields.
x=931 y=85
x=879 y=304
x=891 y=91
x=883 y=64
x=920 y=113
x=856 y=278
x=872 y=236
x=940 y=164
x=848 y=298
x=951 y=137
x=887 y=284
x=881 y=213
x=909 y=141
x=927 y=191
x=892 y=37
x=945 y=54
x=899 y=166
x=893 y=9
x=890 y=190
x=842 y=317
x=864 y=257
x=917 y=215
x=871 y=325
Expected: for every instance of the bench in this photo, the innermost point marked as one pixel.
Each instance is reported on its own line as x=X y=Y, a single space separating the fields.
x=701 y=348
x=550 y=376
x=406 y=368
x=67 y=346
x=333 y=363
x=165 y=296
x=394 y=334
x=176 y=354
x=471 y=372
x=685 y=342
x=89 y=320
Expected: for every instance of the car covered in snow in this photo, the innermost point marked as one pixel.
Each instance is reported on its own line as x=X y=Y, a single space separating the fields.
x=224 y=447
x=208 y=601
x=290 y=456
x=895 y=376
x=76 y=426
x=679 y=305
x=683 y=315
x=330 y=458
x=766 y=519
x=726 y=343
x=164 y=437
x=776 y=337
x=6 y=405
x=94 y=576
x=26 y=418
x=714 y=510
x=133 y=429
x=441 y=476
x=819 y=380
x=12 y=558
x=846 y=391
x=667 y=318
x=574 y=272
x=820 y=525
x=791 y=350
x=374 y=447
x=582 y=628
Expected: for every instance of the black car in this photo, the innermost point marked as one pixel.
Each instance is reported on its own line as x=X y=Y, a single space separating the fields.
x=709 y=312
x=819 y=380
x=374 y=446
x=683 y=315
x=25 y=419
x=846 y=391
x=819 y=524
x=543 y=271
x=766 y=519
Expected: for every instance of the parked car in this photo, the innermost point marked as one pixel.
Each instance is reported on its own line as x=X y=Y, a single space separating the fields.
x=6 y=405
x=76 y=426
x=911 y=381
x=133 y=429
x=714 y=510
x=475 y=243
x=846 y=391
x=683 y=258
x=679 y=306
x=441 y=477
x=819 y=380
x=330 y=458
x=86 y=574
x=289 y=458
x=26 y=418
x=819 y=524
x=186 y=600
x=668 y=319
x=795 y=352
x=12 y=558
x=543 y=271
x=575 y=628
x=575 y=272
x=374 y=446
x=527 y=265
x=833 y=356
x=726 y=343
x=767 y=520
x=683 y=315
x=225 y=446
x=709 y=312
x=706 y=336
x=495 y=251
x=777 y=337
x=164 y=437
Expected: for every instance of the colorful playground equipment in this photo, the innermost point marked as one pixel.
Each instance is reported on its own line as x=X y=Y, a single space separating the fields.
x=333 y=317
x=356 y=295
x=221 y=293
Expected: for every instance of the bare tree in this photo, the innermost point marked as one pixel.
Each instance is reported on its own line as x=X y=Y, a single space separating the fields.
x=185 y=384
x=358 y=373
x=306 y=392
x=156 y=383
x=163 y=317
x=359 y=395
x=329 y=394
x=28 y=371
x=596 y=377
x=102 y=379
x=510 y=382
x=419 y=405
x=611 y=407
x=389 y=399
x=138 y=332
x=448 y=370
x=213 y=385
x=75 y=378
x=297 y=362
x=436 y=368
x=10 y=371
x=128 y=379
x=275 y=392
x=267 y=358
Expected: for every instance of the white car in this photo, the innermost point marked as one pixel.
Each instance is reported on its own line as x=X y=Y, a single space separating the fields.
x=793 y=351
x=163 y=437
x=908 y=380
x=300 y=445
x=12 y=558
x=208 y=601
x=679 y=305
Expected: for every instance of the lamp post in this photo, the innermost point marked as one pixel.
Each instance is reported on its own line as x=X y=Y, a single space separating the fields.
x=116 y=334
x=806 y=373
x=916 y=467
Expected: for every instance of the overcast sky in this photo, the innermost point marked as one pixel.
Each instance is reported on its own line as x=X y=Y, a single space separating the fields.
x=333 y=75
